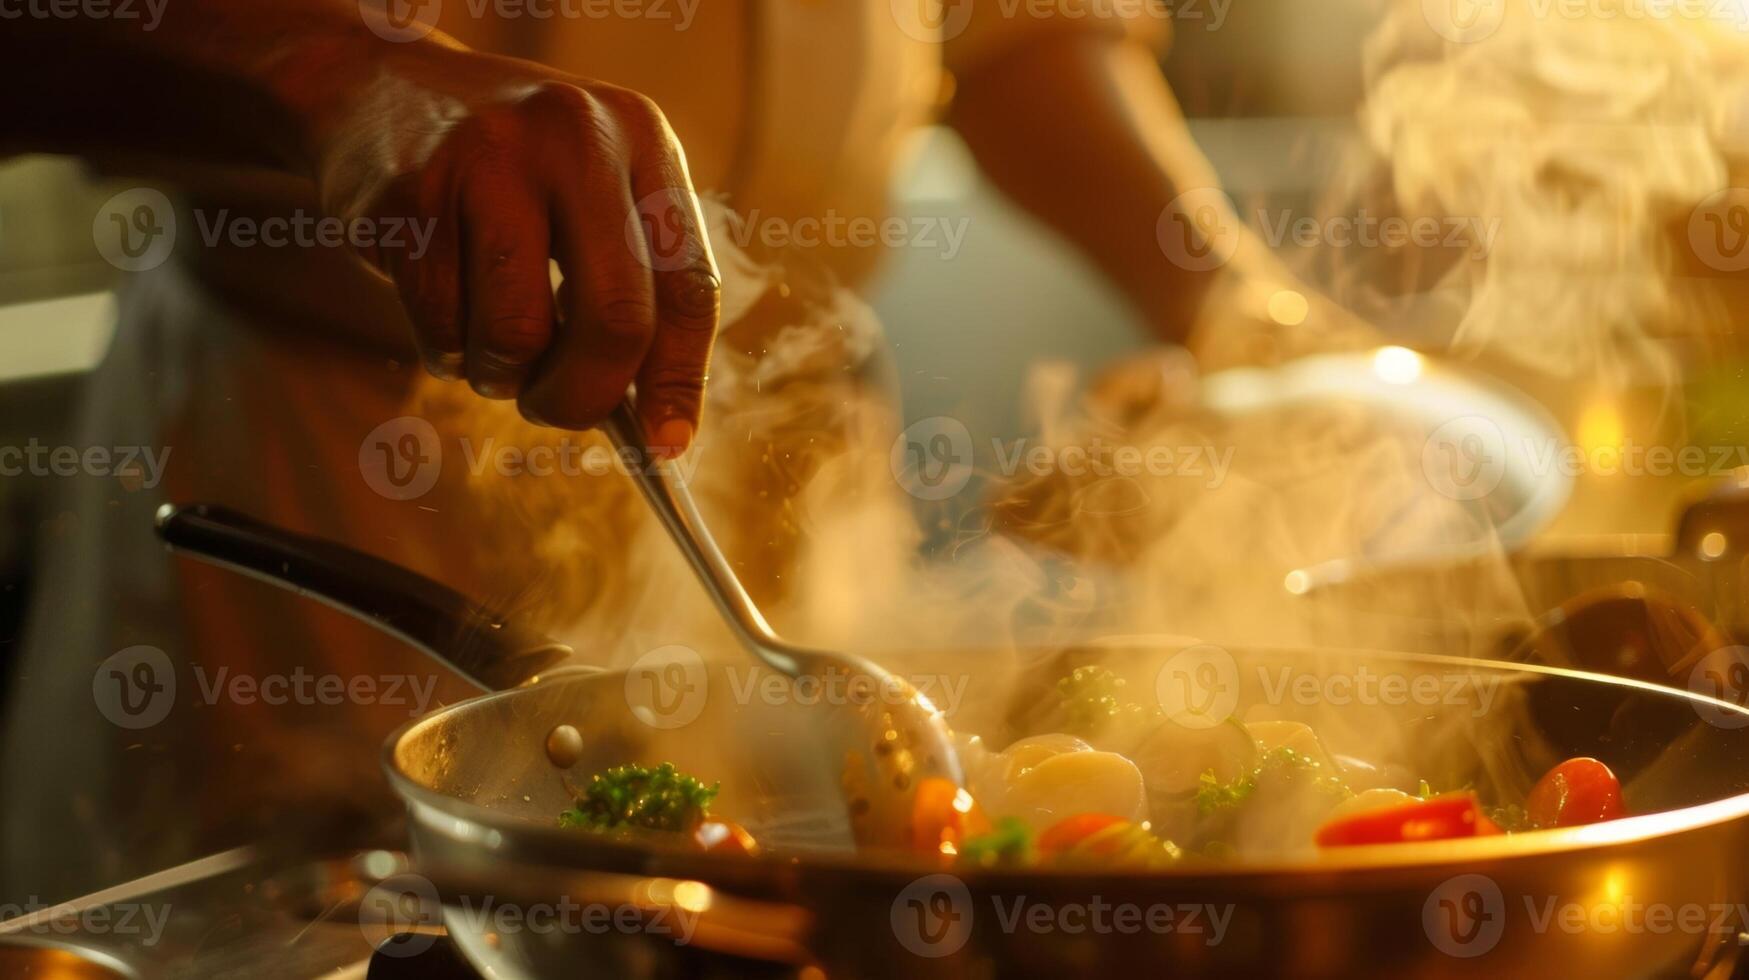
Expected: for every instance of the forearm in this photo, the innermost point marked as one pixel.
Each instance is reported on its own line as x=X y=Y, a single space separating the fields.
x=214 y=82
x=1082 y=131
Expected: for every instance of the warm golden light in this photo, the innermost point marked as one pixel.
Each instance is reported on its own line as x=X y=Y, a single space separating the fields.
x=962 y=802
x=1614 y=887
x=1396 y=365
x=1600 y=427
x=1713 y=545
x=693 y=896
x=1289 y=308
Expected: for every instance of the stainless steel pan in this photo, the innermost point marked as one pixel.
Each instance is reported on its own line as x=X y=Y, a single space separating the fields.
x=482 y=800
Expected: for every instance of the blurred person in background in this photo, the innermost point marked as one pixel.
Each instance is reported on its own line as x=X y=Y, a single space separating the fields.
x=270 y=371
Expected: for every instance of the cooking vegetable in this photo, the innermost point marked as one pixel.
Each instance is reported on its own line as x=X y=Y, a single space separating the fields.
x=1292 y=735
x=1283 y=764
x=1447 y=817
x=1028 y=753
x=1009 y=845
x=1173 y=758
x=1372 y=799
x=943 y=816
x=1578 y=791
x=1067 y=833
x=725 y=837
x=1510 y=818
x=1095 y=700
x=1069 y=782
x=1107 y=841
x=637 y=797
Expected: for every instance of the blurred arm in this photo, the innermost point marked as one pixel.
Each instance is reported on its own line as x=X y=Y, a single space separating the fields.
x=203 y=82
x=1080 y=129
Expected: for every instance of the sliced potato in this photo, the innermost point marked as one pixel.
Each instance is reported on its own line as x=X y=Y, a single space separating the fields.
x=1173 y=757
x=1074 y=782
x=1029 y=752
x=1372 y=799
x=1294 y=735
x=1361 y=775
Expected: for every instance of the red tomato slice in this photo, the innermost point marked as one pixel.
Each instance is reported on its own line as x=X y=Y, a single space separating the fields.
x=1578 y=791
x=1066 y=833
x=1445 y=817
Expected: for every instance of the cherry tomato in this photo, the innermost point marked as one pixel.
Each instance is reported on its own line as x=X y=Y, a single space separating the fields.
x=1578 y=791
x=1070 y=831
x=1445 y=817
x=943 y=816
x=725 y=837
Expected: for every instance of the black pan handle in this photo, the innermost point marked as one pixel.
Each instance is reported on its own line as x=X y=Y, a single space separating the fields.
x=488 y=650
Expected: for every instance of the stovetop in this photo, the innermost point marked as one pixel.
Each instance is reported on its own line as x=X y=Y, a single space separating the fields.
x=251 y=914
x=239 y=914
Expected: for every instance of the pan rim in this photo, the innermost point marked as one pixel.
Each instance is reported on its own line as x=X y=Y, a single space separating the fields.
x=1361 y=861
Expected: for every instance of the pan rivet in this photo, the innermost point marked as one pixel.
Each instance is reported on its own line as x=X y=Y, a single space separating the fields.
x=564 y=746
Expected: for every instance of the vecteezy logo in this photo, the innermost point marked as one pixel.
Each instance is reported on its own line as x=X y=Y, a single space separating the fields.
x=1722 y=675
x=402 y=458
x=1718 y=230
x=400 y=20
x=410 y=15
x=932 y=459
x=1465 y=458
x=1464 y=21
x=135 y=230
x=1465 y=916
x=667 y=687
x=400 y=915
x=932 y=917
x=932 y=21
x=1199 y=686
x=1199 y=231
x=659 y=231
x=135 y=688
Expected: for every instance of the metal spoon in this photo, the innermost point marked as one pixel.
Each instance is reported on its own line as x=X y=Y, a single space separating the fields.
x=888 y=734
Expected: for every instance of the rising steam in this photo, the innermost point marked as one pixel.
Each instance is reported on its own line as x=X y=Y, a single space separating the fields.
x=1586 y=139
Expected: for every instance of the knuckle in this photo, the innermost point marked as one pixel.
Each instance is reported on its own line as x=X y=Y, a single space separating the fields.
x=571 y=112
x=636 y=109
x=564 y=100
x=694 y=297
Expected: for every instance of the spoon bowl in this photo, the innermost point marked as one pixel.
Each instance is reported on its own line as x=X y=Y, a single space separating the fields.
x=886 y=734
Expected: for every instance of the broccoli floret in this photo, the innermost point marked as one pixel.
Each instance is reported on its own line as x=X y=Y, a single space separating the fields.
x=637 y=797
x=1094 y=699
x=1510 y=818
x=1214 y=797
x=1009 y=845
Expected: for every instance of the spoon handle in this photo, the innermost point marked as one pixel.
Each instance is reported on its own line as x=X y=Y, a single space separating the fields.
x=663 y=486
x=494 y=652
